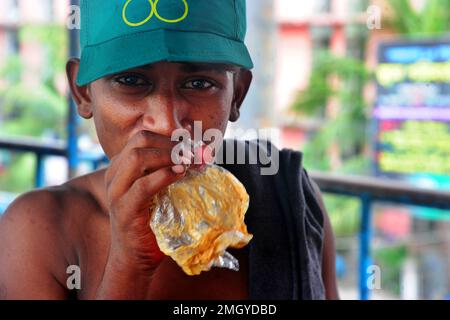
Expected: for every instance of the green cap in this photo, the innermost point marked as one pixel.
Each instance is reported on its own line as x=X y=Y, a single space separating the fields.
x=117 y=35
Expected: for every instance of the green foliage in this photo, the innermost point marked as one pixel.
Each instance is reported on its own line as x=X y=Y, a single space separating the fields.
x=20 y=174
x=434 y=20
x=32 y=111
x=347 y=222
x=53 y=38
x=11 y=69
x=312 y=100
x=391 y=260
x=348 y=129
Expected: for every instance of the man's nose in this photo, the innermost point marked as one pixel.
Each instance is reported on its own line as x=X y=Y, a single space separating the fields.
x=165 y=113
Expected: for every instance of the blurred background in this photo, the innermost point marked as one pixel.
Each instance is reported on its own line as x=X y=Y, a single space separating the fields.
x=361 y=87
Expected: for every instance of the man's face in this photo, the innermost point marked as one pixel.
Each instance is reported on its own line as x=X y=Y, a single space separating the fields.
x=161 y=98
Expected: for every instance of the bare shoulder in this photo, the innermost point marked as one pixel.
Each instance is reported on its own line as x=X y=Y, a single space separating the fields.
x=36 y=206
x=50 y=213
x=36 y=242
x=30 y=251
x=45 y=207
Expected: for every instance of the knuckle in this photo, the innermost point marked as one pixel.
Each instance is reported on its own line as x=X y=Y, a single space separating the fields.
x=140 y=186
x=157 y=153
x=108 y=183
x=145 y=138
x=108 y=178
x=135 y=155
x=112 y=202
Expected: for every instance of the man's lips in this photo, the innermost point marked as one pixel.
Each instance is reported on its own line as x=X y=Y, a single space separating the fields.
x=195 y=156
x=203 y=155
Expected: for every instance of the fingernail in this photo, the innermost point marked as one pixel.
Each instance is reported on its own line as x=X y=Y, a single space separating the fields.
x=208 y=155
x=187 y=154
x=185 y=161
x=198 y=154
x=176 y=158
x=179 y=169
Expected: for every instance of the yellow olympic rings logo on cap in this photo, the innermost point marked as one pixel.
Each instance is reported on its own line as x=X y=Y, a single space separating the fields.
x=154 y=11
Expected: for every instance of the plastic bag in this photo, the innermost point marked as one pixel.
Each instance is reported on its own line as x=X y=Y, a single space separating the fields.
x=197 y=218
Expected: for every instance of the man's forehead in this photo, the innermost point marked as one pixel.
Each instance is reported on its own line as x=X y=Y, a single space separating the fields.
x=194 y=66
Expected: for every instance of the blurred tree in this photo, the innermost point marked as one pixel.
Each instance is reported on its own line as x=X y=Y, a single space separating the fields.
x=32 y=111
x=346 y=132
x=390 y=260
x=348 y=127
x=347 y=221
x=431 y=20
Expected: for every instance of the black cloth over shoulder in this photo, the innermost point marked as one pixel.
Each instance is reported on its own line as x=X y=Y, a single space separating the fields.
x=284 y=216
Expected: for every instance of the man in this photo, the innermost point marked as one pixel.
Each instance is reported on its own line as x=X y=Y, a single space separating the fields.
x=149 y=68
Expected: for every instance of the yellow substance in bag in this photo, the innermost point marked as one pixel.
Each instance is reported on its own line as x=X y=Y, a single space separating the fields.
x=196 y=219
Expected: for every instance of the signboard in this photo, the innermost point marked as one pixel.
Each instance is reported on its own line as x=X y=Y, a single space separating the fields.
x=412 y=112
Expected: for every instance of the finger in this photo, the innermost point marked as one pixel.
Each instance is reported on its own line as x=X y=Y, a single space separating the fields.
x=142 y=139
x=148 y=139
x=139 y=197
x=138 y=163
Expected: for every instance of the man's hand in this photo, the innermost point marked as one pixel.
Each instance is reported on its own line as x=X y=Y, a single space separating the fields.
x=135 y=175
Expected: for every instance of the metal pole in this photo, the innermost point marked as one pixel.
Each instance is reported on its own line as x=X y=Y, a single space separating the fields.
x=72 y=121
x=40 y=171
x=364 y=247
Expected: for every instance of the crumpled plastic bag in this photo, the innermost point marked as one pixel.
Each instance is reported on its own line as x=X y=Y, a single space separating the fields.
x=197 y=218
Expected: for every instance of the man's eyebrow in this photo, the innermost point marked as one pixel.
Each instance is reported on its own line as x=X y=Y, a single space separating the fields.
x=197 y=67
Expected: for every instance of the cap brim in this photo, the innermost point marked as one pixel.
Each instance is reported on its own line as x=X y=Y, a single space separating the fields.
x=143 y=48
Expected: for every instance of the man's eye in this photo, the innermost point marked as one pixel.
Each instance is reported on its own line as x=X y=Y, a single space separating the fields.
x=198 y=84
x=131 y=80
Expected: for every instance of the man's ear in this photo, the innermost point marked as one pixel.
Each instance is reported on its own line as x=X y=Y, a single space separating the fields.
x=81 y=95
x=242 y=84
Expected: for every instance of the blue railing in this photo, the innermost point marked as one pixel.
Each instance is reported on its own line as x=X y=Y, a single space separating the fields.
x=370 y=190
x=41 y=150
